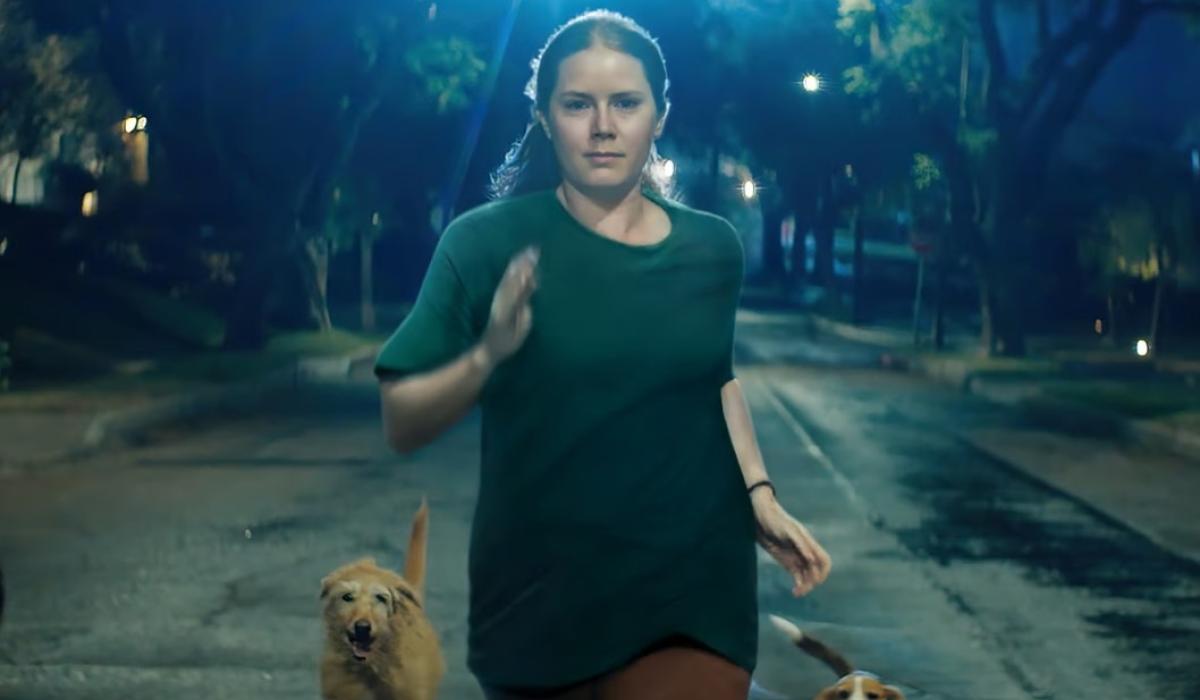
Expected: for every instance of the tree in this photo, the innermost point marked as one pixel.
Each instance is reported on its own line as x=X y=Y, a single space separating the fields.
x=992 y=124
x=261 y=107
x=1144 y=235
x=46 y=87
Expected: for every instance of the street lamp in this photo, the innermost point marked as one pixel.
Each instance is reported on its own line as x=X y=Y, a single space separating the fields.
x=749 y=190
x=811 y=82
x=132 y=123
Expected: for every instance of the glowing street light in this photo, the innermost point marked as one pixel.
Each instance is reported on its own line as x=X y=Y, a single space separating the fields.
x=1142 y=348
x=132 y=123
x=749 y=190
x=811 y=82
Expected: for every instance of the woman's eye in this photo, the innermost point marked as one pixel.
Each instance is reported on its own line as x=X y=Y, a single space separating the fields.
x=574 y=105
x=381 y=598
x=628 y=104
x=348 y=597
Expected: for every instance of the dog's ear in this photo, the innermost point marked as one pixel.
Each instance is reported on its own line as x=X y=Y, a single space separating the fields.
x=326 y=585
x=891 y=692
x=827 y=694
x=399 y=592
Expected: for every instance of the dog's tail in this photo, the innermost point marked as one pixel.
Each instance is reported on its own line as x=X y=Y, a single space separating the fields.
x=812 y=646
x=414 y=560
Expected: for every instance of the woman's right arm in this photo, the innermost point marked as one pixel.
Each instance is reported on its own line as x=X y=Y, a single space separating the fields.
x=418 y=408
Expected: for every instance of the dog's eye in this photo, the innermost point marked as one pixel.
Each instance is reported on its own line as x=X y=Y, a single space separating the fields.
x=872 y=696
x=843 y=694
x=381 y=598
x=348 y=597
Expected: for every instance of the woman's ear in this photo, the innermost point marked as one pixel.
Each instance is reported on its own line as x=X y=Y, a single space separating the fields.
x=662 y=123
x=544 y=123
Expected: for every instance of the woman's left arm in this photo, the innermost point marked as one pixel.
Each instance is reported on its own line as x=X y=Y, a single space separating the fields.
x=781 y=535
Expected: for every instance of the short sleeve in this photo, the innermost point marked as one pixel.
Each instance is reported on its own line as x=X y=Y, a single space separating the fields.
x=438 y=328
x=736 y=267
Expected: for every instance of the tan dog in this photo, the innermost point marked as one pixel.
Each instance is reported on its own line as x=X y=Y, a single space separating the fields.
x=379 y=645
x=852 y=684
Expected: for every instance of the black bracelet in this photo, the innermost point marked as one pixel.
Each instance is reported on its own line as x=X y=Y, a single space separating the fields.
x=764 y=482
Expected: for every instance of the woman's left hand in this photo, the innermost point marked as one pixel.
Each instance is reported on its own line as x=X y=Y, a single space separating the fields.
x=789 y=542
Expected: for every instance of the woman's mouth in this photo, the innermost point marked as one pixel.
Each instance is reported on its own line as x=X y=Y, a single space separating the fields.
x=602 y=156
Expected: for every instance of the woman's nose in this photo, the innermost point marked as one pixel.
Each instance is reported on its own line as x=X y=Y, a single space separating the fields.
x=602 y=125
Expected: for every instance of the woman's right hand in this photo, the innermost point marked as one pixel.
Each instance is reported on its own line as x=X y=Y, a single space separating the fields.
x=511 y=316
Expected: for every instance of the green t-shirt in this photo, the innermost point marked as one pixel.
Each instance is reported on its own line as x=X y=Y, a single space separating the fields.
x=611 y=509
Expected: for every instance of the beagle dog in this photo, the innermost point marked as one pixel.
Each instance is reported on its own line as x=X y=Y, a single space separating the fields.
x=852 y=684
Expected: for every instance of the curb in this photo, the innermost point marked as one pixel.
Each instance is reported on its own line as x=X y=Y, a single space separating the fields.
x=869 y=336
x=125 y=426
x=1189 y=556
x=1057 y=412
x=1060 y=413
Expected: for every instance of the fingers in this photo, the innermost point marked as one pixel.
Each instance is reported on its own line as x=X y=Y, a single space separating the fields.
x=524 y=269
x=518 y=283
x=811 y=561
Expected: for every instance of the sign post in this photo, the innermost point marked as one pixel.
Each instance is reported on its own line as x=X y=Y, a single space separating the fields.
x=922 y=247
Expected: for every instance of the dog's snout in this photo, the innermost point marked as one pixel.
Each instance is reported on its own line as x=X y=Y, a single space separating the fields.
x=362 y=629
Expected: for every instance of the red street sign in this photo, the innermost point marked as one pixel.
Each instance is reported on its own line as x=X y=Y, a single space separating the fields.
x=921 y=246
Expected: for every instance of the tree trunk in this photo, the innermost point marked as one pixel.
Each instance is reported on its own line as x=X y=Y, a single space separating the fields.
x=1156 y=314
x=16 y=179
x=1010 y=262
x=987 y=309
x=245 y=326
x=313 y=260
x=773 y=270
x=857 y=314
x=823 y=232
x=800 y=253
x=366 y=281
x=1111 y=336
x=939 y=301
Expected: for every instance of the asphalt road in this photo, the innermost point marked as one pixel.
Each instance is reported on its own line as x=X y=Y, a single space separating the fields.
x=189 y=568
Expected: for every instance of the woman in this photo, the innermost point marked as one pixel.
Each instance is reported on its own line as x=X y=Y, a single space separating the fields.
x=612 y=546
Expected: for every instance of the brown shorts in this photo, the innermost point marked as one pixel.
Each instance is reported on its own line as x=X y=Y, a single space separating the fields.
x=677 y=668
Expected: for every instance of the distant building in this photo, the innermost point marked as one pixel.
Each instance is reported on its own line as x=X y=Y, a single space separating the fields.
x=64 y=175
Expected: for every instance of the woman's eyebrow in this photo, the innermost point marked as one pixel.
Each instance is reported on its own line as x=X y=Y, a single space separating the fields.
x=622 y=94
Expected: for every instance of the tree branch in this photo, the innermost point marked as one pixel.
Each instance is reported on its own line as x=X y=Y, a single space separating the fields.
x=1072 y=86
x=1187 y=7
x=1043 y=23
x=243 y=186
x=995 y=53
x=1049 y=60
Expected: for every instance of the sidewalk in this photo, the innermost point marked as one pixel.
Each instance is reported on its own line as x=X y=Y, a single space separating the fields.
x=1154 y=401
x=40 y=427
x=1143 y=473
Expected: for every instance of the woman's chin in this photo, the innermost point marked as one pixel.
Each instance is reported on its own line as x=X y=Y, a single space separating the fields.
x=605 y=183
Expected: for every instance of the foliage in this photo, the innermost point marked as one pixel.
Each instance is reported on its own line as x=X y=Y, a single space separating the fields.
x=1147 y=228
x=48 y=84
x=446 y=68
x=1140 y=238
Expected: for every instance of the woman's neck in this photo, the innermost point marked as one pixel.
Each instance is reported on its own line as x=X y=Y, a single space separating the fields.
x=619 y=217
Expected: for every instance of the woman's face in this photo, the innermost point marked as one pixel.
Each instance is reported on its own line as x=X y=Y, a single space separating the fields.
x=602 y=120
